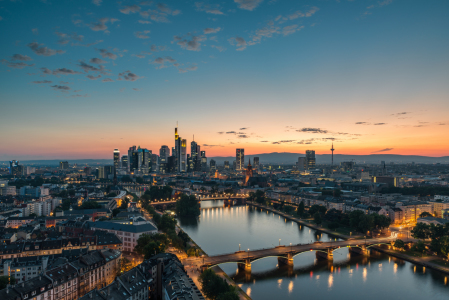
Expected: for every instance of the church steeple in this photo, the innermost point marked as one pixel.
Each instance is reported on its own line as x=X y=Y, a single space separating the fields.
x=249 y=162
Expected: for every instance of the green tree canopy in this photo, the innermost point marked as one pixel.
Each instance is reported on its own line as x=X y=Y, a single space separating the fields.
x=187 y=206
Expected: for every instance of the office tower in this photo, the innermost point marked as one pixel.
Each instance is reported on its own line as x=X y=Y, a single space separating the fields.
x=234 y=165
x=125 y=162
x=248 y=172
x=226 y=165
x=154 y=161
x=239 y=158
x=116 y=158
x=140 y=160
x=193 y=156
x=301 y=164
x=171 y=165
x=100 y=173
x=256 y=163
x=332 y=149
x=108 y=170
x=63 y=165
x=177 y=150
x=189 y=163
x=203 y=161
x=130 y=159
x=15 y=169
x=183 y=156
x=87 y=171
x=310 y=159
x=347 y=165
x=164 y=153
x=213 y=166
x=198 y=159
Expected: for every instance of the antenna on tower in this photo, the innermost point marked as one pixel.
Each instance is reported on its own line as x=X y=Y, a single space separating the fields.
x=332 y=149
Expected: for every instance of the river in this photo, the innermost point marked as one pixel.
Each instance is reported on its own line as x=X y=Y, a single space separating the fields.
x=221 y=229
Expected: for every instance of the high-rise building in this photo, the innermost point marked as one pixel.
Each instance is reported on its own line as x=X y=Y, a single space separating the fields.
x=226 y=165
x=87 y=171
x=108 y=170
x=177 y=152
x=193 y=156
x=100 y=173
x=171 y=165
x=130 y=158
x=301 y=164
x=256 y=163
x=203 y=161
x=248 y=172
x=140 y=160
x=234 y=165
x=213 y=166
x=15 y=169
x=310 y=159
x=183 y=156
x=125 y=162
x=63 y=165
x=198 y=159
x=164 y=153
x=240 y=158
x=154 y=160
x=116 y=158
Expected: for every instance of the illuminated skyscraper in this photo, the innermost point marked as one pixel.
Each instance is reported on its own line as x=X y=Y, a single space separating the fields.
x=116 y=158
x=203 y=161
x=164 y=153
x=240 y=158
x=193 y=156
x=310 y=159
x=183 y=156
x=125 y=162
x=14 y=168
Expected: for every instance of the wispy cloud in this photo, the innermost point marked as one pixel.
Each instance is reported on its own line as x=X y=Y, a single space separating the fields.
x=248 y=4
x=36 y=47
x=383 y=150
x=214 y=9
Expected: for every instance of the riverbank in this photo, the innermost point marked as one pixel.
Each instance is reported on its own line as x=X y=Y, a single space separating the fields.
x=424 y=261
x=305 y=223
x=194 y=274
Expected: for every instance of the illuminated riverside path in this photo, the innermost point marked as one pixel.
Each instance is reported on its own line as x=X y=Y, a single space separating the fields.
x=220 y=230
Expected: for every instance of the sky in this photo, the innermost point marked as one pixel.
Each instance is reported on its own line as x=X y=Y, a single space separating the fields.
x=80 y=78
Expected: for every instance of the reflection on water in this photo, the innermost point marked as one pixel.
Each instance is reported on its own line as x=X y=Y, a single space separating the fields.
x=221 y=229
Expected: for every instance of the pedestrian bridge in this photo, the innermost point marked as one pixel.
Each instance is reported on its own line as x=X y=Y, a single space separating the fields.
x=285 y=254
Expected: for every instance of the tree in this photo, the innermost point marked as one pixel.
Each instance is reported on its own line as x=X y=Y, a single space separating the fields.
x=90 y=205
x=317 y=218
x=317 y=208
x=125 y=265
x=115 y=211
x=444 y=246
x=425 y=214
x=301 y=208
x=5 y=280
x=216 y=288
x=419 y=247
x=421 y=231
x=381 y=221
x=167 y=223
x=399 y=244
x=187 y=206
x=288 y=209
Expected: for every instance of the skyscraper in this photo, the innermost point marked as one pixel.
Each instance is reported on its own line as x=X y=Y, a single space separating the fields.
x=130 y=158
x=193 y=156
x=183 y=156
x=164 y=153
x=301 y=164
x=310 y=159
x=256 y=163
x=226 y=165
x=240 y=158
x=15 y=169
x=125 y=162
x=116 y=158
x=213 y=166
x=203 y=161
x=63 y=165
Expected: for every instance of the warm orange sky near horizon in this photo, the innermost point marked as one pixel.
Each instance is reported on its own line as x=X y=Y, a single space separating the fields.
x=79 y=80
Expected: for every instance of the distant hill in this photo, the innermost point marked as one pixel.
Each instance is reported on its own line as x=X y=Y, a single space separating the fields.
x=291 y=158
x=272 y=158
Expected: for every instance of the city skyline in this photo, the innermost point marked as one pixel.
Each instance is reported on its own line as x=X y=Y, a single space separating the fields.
x=83 y=78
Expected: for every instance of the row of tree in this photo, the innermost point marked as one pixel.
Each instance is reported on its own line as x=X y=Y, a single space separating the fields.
x=216 y=288
x=438 y=235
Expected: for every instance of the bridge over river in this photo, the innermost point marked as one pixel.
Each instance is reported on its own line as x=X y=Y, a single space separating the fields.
x=285 y=254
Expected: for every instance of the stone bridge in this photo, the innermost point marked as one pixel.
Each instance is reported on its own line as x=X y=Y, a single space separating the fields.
x=285 y=254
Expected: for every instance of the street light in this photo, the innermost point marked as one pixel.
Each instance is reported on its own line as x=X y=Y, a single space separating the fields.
x=365 y=240
x=291 y=248
x=248 y=252
x=279 y=242
x=239 y=247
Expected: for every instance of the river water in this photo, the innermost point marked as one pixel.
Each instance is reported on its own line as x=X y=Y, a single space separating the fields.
x=221 y=229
